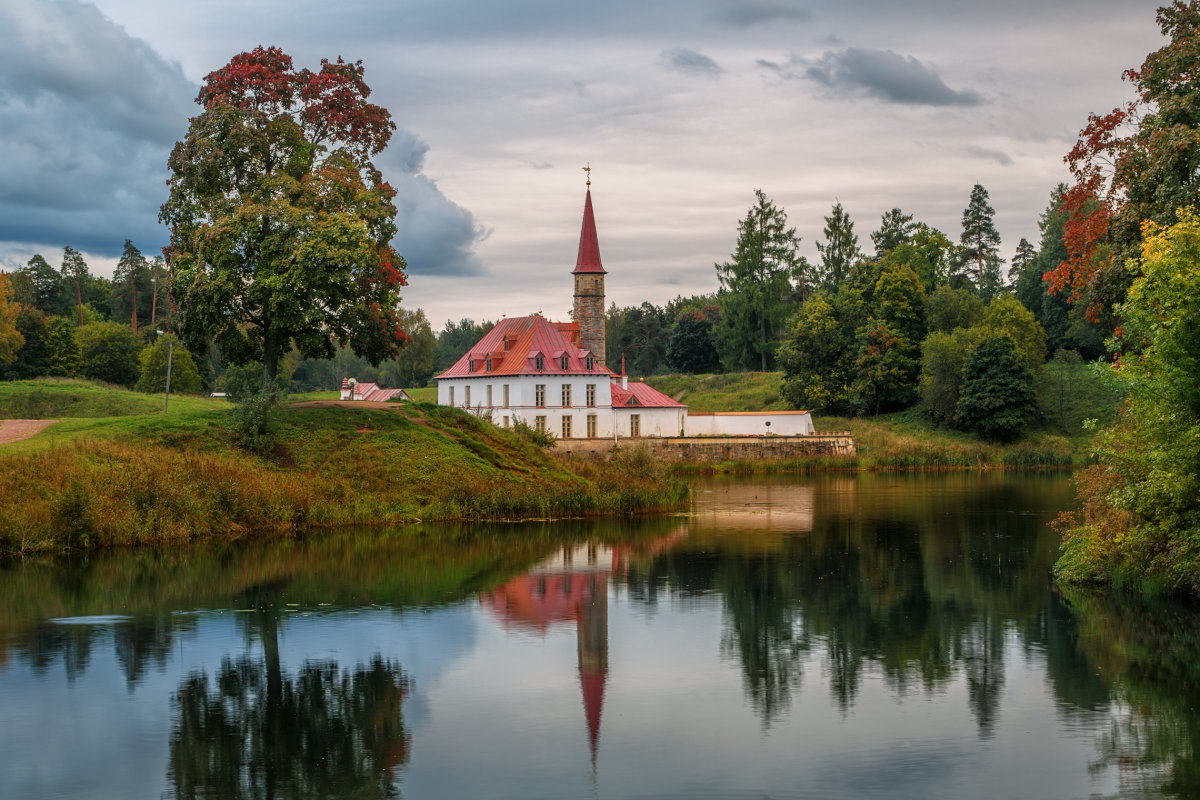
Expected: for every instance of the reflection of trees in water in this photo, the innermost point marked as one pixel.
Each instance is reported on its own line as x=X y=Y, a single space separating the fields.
x=137 y=643
x=257 y=732
x=1150 y=651
x=920 y=588
x=762 y=629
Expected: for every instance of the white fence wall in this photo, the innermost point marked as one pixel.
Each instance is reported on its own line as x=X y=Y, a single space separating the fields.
x=757 y=423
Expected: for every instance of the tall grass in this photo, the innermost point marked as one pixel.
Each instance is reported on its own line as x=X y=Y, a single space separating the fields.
x=155 y=480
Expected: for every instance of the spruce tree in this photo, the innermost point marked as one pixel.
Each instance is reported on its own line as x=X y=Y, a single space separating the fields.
x=840 y=250
x=981 y=244
x=757 y=286
x=997 y=391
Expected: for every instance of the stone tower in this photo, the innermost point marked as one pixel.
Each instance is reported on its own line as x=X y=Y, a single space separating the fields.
x=589 y=286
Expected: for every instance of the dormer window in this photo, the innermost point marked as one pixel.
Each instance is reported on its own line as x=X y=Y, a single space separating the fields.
x=591 y=363
x=564 y=362
x=539 y=363
x=489 y=365
x=470 y=365
x=506 y=344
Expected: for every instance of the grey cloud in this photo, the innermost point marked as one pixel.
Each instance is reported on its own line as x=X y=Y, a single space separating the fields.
x=89 y=115
x=999 y=157
x=758 y=12
x=434 y=234
x=689 y=62
x=885 y=75
x=541 y=165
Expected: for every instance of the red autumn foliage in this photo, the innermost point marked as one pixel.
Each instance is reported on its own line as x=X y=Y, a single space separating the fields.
x=330 y=104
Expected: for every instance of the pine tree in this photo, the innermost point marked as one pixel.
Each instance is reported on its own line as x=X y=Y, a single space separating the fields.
x=133 y=291
x=895 y=228
x=75 y=274
x=981 y=242
x=840 y=250
x=757 y=286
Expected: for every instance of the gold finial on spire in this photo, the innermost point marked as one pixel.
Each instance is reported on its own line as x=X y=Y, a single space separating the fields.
x=588 y=170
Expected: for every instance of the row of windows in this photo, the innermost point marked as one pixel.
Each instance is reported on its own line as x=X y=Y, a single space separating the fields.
x=539 y=422
x=539 y=395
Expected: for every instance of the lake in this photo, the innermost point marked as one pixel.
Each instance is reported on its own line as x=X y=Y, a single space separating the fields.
x=827 y=636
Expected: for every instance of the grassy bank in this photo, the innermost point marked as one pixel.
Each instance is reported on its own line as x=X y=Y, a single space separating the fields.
x=142 y=477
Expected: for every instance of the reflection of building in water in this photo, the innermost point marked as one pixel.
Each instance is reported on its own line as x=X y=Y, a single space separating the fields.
x=573 y=585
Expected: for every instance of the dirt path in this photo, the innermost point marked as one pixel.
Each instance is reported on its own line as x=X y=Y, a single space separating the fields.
x=14 y=430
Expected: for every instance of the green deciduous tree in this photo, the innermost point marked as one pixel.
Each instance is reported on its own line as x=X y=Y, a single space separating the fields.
x=840 y=251
x=981 y=242
x=949 y=308
x=943 y=356
x=886 y=369
x=109 y=352
x=153 y=361
x=757 y=287
x=1005 y=316
x=639 y=334
x=1071 y=392
x=997 y=391
x=280 y=223
x=10 y=338
x=928 y=252
x=817 y=357
x=1140 y=514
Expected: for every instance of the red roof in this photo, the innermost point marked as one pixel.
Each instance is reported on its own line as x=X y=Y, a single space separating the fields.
x=639 y=394
x=589 y=245
x=372 y=392
x=526 y=338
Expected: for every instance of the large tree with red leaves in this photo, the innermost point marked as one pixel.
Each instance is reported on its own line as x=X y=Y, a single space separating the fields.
x=1139 y=162
x=280 y=223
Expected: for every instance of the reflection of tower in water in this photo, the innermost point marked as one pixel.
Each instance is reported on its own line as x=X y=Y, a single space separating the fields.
x=573 y=585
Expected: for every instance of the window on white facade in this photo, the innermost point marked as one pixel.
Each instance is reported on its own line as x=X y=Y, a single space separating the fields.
x=451 y=395
x=467 y=396
x=539 y=395
x=591 y=426
x=489 y=394
x=591 y=395
x=506 y=395
x=566 y=395
x=539 y=424
x=566 y=427
x=635 y=425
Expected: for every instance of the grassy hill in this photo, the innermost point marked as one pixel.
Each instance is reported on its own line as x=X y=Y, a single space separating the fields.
x=139 y=476
x=733 y=391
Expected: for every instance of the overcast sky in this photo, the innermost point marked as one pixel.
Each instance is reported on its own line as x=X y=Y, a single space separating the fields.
x=682 y=107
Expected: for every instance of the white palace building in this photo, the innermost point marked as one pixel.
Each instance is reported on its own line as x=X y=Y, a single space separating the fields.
x=553 y=377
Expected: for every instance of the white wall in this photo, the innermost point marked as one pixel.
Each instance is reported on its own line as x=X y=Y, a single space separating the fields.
x=783 y=423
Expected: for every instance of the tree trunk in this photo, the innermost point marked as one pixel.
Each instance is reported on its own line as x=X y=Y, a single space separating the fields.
x=79 y=299
x=270 y=359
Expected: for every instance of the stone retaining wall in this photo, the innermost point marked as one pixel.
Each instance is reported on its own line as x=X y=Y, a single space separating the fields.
x=721 y=448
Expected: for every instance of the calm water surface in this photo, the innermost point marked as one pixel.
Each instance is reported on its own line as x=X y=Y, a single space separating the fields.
x=830 y=637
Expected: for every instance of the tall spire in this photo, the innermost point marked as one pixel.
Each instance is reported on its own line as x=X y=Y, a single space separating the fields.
x=589 y=245
x=589 y=285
